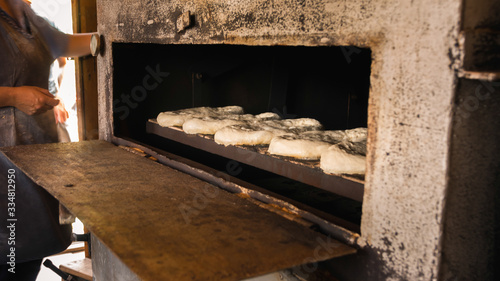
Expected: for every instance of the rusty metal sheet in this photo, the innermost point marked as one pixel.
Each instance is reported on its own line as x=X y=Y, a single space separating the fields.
x=164 y=224
x=308 y=172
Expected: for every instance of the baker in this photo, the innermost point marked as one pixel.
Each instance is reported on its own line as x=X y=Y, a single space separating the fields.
x=28 y=46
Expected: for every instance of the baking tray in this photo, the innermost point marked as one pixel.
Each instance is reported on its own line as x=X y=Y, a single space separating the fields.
x=304 y=171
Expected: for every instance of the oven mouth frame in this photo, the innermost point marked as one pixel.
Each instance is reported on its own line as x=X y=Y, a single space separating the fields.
x=308 y=172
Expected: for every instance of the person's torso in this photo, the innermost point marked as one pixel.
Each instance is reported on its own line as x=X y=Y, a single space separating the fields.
x=25 y=60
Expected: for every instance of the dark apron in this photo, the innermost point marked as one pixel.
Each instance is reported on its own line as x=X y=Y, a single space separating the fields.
x=25 y=60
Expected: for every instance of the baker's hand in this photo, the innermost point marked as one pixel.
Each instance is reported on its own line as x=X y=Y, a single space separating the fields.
x=60 y=113
x=33 y=100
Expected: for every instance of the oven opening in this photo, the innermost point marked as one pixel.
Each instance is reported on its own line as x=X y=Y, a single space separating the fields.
x=329 y=84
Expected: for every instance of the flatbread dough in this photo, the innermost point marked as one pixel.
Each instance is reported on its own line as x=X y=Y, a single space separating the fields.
x=344 y=158
x=247 y=134
x=210 y=125
x=299 y=123
x=262 y=132
x=310 y=145
x=306 y=146
x=178 y=117
x=356 y=135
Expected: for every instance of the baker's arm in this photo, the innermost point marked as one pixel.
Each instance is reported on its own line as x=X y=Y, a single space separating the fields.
x=78 y=45
x=63 y=44
x=30 y=100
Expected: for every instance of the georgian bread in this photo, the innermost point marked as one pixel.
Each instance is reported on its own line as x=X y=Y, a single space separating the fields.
x=258 y=132
x=246 y=134
x=299 y=123
x=178 y=117
x=310 y=145
x=344 y=158
x=356 y=135
x=306 y=146
x=210 y=125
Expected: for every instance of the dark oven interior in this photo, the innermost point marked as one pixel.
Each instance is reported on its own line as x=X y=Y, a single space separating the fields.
x=327 y=83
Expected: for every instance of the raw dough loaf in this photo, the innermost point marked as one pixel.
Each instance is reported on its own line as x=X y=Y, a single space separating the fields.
x=246 y=134
x=262 y=132
x=344 y=158
x=210 y=125
x=310 y=145
x=356 y=135
x=306 y=146
x=178 y=117
x=299 y=123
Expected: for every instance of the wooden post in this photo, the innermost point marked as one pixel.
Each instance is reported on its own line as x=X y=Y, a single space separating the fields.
x=85 y=20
